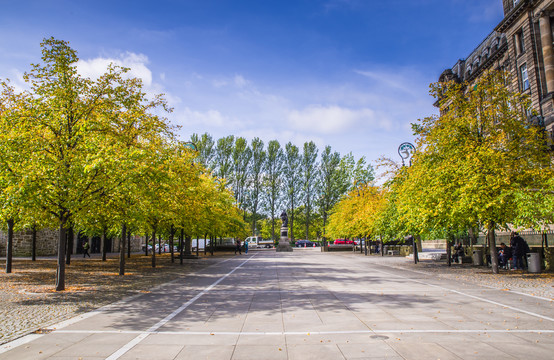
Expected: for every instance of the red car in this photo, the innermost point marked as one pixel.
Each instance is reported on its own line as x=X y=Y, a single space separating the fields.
x=344 y=242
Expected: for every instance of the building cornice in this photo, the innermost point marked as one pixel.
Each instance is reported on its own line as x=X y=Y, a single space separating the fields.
x=487 y=63
x=513 y=15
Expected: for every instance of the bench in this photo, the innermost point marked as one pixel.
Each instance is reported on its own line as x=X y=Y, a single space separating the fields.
x=464 y=260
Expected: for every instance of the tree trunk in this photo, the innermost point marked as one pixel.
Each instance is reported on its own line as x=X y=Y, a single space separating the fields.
x=153 y=248
x=159 y=244
x=122 y=240
x=9 y=247
x=417 y=247
x=60 y=271
x=171 y=233
x=292 y=221
x=197 y=246
x=188 y=245
x=181 y=246
x=34 y=244
x=414 y=249
x=272 y=226
x=128 y=244
x=307 y=218
x=449 y=250
x=146 y=245
x=492 y=247
x=70 y=241
x=324 y=223
x=104 y=243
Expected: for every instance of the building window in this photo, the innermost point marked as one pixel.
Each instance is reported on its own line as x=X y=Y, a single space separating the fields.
x=519 y=42
x=524 y=77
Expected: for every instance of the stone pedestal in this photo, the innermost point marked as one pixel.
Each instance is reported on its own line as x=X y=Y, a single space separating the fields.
x=284 y=244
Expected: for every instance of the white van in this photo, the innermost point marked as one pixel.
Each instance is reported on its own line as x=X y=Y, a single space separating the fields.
x=255 y=242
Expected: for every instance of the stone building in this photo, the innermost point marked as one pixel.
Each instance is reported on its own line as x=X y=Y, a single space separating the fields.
x=522 y=45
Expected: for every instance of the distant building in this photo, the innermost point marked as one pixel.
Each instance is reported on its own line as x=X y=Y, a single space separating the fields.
x=522 y=45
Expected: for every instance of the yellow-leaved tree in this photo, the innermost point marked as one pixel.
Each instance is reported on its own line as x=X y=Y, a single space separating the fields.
x=476 y=162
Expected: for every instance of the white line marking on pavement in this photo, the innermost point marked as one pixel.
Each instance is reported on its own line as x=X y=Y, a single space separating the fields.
x=273 y=333
x=487 y=286
x=471 y=296
x=116 y=355
x=21 y=341
x=519 y=293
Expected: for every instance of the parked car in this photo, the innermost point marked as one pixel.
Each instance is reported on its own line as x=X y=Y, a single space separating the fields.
x=304 y=243
x=343 y=242
x=149 y=247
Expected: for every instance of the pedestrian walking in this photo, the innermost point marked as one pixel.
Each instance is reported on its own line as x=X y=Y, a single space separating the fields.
x=238 y=247
x=86 y=246
x=246 y=247
x=519 y=249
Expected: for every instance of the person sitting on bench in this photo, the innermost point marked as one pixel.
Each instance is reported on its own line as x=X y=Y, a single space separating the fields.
x=504 y=254
x=458 y=252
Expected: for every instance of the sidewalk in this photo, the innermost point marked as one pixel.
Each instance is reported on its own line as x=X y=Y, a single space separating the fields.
x=305 y=305
x=302 y=305
x=28 y=301
x=541 y=285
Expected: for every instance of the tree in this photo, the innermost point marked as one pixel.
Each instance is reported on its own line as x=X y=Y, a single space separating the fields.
x=70 y=120
x=273 y=180
x=476 y=161
x=357 y=214
x=333 y=183
x=223 y=156
x=255 y=175
x=206 y=150
x=242 y=154
x=15 y=156
x=309 y=178
x=291 y=174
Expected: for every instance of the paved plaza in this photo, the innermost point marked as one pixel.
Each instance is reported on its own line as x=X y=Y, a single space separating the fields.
x=305 y=305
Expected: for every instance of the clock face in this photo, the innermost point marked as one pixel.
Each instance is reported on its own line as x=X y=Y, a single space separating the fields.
x=405 y=150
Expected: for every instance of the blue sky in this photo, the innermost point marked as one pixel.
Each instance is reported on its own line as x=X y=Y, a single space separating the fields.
x=351 y=74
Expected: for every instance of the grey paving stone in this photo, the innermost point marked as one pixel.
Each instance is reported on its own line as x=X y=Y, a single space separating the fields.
x=313 y=305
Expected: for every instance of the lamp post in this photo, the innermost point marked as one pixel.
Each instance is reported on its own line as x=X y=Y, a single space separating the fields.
x=191 y=145
x=406 y=150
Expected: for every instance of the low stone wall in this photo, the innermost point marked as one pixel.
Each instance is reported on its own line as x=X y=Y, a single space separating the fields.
x=47 y=241
x=345 y=247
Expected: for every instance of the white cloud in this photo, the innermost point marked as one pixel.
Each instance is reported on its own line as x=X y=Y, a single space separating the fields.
x=137 y=63
x=390 y=80
x=367 y=115
x=240 y=81
x=138 y=68
x=18 y=82
x=328 y=119
x=206 y=119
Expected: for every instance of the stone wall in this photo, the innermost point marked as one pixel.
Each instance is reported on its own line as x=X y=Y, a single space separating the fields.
x=47 y=241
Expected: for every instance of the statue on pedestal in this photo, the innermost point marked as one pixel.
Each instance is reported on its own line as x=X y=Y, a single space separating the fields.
x=284 y=244
x=284 y=219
